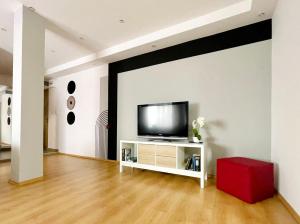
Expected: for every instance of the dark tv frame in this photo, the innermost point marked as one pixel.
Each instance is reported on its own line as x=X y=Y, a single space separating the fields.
x=167 y=137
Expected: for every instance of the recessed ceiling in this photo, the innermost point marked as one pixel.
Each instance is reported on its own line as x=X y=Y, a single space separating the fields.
x=77 y=28
x=98 y=20
x=59 y=49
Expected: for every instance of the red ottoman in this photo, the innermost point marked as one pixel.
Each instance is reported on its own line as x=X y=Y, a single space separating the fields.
x=248 y=179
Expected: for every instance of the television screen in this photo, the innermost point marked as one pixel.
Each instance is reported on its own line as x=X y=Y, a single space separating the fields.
x=165 y=120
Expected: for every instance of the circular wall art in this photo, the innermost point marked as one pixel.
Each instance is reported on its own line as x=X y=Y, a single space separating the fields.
x=71 y=118
x=8 y=120
x=8 y=111
x=71 y=102
x=71 y=87
x=9 y=101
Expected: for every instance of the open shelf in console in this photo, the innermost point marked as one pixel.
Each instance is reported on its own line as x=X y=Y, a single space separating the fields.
x=189 y=159
x=128 y=152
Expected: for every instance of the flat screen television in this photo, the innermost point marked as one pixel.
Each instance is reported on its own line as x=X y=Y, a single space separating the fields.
x=163 y=120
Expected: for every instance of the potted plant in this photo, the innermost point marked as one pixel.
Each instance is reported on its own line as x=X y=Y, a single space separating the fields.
x=197 y=124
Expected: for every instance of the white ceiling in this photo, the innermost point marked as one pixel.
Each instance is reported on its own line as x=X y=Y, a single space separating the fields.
x=97 y=22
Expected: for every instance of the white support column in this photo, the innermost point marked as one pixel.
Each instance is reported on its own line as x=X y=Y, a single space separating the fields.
x=28 y=96
x=203 y=167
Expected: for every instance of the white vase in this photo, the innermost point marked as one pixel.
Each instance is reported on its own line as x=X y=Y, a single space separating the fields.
x=196 y=140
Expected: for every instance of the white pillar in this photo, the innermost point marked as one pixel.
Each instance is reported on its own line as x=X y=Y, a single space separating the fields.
x=28 y=96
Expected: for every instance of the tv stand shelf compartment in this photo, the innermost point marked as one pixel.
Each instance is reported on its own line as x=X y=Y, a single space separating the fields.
x=168 y=157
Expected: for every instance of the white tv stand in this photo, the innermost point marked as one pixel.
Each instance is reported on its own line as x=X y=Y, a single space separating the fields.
x=168 y=157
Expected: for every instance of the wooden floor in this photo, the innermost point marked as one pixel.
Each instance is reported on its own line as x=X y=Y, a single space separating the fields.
x=86 y=191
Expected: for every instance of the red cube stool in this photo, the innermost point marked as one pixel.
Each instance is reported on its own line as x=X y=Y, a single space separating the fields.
x=247 y=179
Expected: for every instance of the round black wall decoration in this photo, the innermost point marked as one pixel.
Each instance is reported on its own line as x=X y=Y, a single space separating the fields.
x=71 y=87
x=8 y=120
x=9 y=101
x=71 y=102
x=71 y=118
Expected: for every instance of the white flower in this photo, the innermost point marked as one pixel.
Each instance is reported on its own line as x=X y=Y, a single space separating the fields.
x=201 y=121
x=195 y=124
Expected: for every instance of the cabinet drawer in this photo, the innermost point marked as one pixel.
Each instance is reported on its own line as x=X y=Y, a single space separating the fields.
x=165 y=150
x=164 y=161
x=146 y=159
x=146 y=149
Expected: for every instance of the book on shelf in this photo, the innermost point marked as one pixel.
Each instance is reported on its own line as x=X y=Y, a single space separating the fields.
x=193 y=163
x=123 y=154
x=126 y=154
x=188 y=163
x=197 y=162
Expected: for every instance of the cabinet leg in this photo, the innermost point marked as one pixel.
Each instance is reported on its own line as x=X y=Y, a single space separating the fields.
x=202 y=180
x=121 y=168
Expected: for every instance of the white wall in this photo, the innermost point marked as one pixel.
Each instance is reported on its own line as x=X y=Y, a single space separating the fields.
x=231 y=88
x=285 y=99
x=78 y=138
